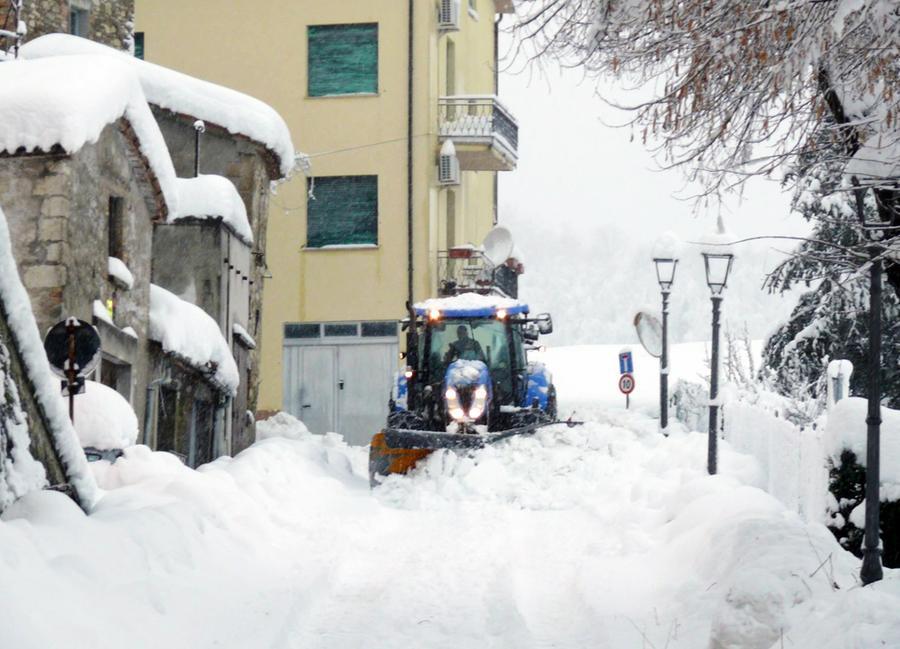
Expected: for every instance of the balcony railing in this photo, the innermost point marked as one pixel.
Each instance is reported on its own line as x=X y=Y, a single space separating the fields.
x=480 y=119
x=465 y=269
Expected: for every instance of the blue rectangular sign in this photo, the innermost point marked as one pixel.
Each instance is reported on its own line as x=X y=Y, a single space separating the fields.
x=626 y=365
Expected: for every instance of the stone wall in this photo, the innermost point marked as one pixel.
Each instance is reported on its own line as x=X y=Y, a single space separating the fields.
x=57 y=210
x=245 y=164
x=110 y=22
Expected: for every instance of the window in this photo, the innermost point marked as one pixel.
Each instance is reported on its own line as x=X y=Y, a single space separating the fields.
x=379 y=329
x=116 y=227
x=341 y=329
x=342 y=59
x=473 y=8
x=342 y=210
x=139 y=45
x=78 y=21
x=301 y=330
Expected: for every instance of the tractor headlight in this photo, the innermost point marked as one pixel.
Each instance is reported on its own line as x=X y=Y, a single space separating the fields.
x=478 y=402
x=453 y=405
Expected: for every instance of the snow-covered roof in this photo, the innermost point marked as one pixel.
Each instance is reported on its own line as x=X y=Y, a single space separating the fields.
x=877 y=162
x=232 y=110
x=103 y=418
x=20 y=319
x=187 y=331
x=213 y=197
x=67 y=102
x=474 y=305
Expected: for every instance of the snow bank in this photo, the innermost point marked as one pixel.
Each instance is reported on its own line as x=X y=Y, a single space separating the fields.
x=69 y=101
x=103 y=418
x=180 y=93
x=607 y=535
x=846 y=429
x=120 y=272
x=281 y=424
x=17 y=307
x=213 y=197
x=185 y=330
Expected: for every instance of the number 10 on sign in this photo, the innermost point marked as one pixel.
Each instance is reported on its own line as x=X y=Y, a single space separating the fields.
x=626 y=387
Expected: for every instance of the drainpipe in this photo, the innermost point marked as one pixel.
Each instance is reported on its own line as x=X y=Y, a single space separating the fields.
x=497 y=93
x=199 y=127
x=226 y=330
x=412 y=342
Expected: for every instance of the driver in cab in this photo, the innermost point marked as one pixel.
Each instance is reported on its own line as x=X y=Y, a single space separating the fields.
x=465 y=348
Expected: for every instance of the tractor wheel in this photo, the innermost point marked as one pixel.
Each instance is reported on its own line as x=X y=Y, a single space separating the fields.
x=552 y=410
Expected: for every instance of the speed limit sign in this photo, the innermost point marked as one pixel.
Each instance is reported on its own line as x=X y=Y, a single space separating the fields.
x=626 y=384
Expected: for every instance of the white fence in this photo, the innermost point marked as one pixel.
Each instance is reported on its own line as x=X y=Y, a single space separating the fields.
x=792 y=459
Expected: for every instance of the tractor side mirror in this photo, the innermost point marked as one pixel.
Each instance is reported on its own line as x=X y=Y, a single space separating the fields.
x=545 y=323
x=530 y=332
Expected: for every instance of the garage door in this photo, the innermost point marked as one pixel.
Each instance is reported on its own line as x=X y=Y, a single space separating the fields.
x=335 y=381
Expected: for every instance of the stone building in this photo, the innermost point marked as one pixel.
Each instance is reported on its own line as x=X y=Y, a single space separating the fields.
x=110 y=22
x=205 y=254
x=81 y=188
x=243 y=146
x=243 y=140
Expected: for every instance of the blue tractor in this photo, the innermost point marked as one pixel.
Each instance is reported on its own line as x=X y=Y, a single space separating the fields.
x=468 y=381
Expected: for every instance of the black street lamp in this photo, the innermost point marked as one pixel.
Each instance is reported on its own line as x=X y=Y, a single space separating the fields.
x=718 y=267
x=665 y=275
x=871 y=570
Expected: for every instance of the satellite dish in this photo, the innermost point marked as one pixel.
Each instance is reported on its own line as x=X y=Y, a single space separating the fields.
x=498 y=245
x=649 y=331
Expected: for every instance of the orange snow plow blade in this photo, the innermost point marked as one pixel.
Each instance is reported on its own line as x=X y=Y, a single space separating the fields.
x=384 y=460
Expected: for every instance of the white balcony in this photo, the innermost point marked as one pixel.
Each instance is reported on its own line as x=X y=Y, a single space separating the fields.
x=484 y=132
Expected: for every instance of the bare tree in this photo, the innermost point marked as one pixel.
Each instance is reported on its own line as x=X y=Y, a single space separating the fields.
x=730 y=88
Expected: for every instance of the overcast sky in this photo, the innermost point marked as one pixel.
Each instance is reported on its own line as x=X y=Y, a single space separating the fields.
x=576 y=170
x=586 y=203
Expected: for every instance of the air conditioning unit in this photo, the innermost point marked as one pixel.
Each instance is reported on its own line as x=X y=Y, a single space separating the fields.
x=448 y=165
x=448 y=16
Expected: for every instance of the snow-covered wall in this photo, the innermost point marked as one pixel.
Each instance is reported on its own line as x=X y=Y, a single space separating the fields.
x=31 y=403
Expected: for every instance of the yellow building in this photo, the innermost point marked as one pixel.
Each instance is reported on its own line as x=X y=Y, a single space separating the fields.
x=338 y=249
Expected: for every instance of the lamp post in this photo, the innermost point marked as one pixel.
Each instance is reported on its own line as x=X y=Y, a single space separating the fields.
x=718 y=266
x=871 y=566
x=665 y=275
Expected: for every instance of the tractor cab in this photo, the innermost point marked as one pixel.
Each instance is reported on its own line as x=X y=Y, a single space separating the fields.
x=467 y=368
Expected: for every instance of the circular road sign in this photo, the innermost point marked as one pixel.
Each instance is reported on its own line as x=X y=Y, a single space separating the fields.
x=87 y=346
x=626 y=384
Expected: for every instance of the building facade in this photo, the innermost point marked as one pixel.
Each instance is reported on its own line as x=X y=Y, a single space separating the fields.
x=372 y=89
x=105 y=21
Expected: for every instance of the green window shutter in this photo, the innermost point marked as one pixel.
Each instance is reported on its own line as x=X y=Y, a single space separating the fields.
x=342 y=59
x=343 y=212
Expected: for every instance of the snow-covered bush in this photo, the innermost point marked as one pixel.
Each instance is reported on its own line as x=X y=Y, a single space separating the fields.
x=846 y=441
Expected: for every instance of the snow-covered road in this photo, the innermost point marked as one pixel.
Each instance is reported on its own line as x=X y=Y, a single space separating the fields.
x=605 y=535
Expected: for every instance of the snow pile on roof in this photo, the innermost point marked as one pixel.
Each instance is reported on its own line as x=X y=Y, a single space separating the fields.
x=69 y=101
x=213 y=197
x=846 y=429
x=180 y=93
x=118 y=270
x=471 y=302
x=243 y=335
x=877 y=162
x=185 y=330
x=103 y=418
x=20 y=319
